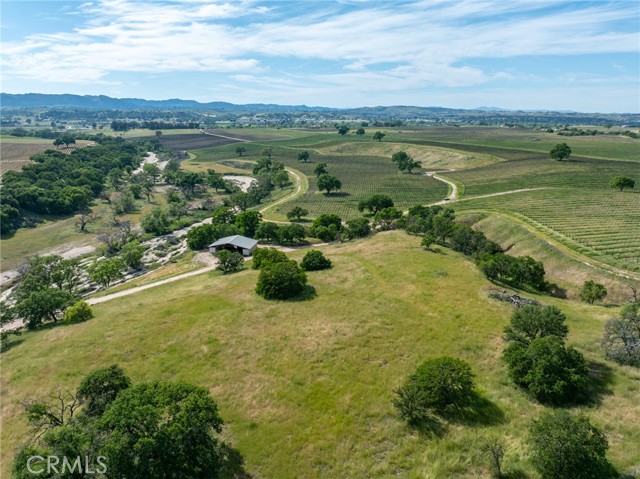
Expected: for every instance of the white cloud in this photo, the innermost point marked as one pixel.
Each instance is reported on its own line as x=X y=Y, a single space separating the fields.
x=370 y=47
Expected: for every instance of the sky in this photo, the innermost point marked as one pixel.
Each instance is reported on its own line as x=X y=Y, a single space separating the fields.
x=516 y=54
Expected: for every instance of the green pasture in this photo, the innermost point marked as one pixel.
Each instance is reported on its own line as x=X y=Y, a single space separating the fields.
x=305 y=387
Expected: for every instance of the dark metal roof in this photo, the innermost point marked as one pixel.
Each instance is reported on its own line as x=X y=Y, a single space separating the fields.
x=236 y=240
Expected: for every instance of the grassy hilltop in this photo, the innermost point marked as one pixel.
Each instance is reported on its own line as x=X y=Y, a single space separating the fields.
x=305 y=386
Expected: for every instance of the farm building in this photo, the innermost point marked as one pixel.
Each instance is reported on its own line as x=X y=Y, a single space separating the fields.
x=236 y=243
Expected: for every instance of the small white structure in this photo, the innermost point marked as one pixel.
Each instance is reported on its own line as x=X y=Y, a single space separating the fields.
x=236 y=243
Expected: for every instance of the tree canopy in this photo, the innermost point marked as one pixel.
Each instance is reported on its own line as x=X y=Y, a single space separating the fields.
x=328 y=183
x=622 y=182
x=375 y=203
x=568 y=446
x=405 y=162
x=560 y=152
x=281 y=280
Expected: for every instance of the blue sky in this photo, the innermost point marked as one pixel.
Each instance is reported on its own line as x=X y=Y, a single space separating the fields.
x=534 y=54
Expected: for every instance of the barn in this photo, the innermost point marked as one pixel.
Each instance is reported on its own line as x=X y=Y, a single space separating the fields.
x=236 y=243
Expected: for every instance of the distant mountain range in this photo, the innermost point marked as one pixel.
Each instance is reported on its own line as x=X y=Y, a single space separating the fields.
x=102 y=102
x=483 y=113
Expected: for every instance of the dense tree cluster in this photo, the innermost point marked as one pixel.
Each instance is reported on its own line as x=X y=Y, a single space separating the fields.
x=437 y=225
x=539 y=360
x=47 y=288
x=517 y=270
x=222 y=225
x=124 y=125
x=57 y=183
x=326 y=227
x=159 y=429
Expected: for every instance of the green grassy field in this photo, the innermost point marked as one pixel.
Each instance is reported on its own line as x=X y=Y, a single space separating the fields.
x=305 y=387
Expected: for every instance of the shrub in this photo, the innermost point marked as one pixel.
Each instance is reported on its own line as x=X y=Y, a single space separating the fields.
x=156 y=222
x=132 y=253
x=314 y=260
x=229 y=262
x=592 y=292
x=358 y=228
x=566 y=446
x=326 y=227
x=265 y=256
x=388 y=219
x=281 y=280
x=621 y=339
x=548 y=370
x=437 y=384
x=531 y=322
x=78 y=313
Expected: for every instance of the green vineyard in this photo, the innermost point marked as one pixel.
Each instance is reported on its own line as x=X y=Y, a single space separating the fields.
x=362 y=177
x=602 y=224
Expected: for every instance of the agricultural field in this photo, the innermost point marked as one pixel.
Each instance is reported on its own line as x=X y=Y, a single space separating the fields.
x=524 y=139
x=193 y=141
x=604 y=225
x=17 y=152
x=363 y=176
x=564 y=266
x=587 y=174
x=305 y=387
x=570 y=200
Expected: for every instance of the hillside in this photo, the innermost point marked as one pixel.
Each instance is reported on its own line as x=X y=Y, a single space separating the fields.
x=305 y=386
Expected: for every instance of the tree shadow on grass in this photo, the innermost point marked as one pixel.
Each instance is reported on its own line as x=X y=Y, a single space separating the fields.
x=479 y=411
x=515 y=474
x=337 y=194
x=601 y=379
x=308 y=294
x=431 y=427
x=10 y=345
x=436 y=250
x=232 y=466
